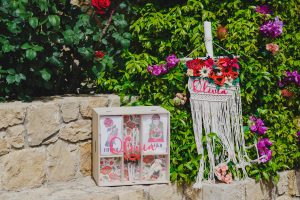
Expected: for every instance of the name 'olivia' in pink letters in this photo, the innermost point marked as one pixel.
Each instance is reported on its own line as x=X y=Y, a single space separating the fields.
x=126 y=146
x=200 y=85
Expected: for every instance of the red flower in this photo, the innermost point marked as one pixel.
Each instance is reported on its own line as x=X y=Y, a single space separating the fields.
x=234 y=75
x=219 y=80
x=99 y=54
x=223 y=62
x=132 y=156
x=195 y=64
x=209 y=62
x=106 y=170
x=131 y=124
x=100 y=5
x=148 y=159
x=286 y=93
x=227 y=71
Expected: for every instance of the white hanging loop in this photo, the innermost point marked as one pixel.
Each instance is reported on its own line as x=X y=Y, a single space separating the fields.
x=208 y=39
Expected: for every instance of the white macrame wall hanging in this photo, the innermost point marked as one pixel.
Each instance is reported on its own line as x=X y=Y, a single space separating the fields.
x=217 y=110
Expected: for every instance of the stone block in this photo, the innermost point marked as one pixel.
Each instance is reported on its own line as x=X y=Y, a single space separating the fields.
x=222 y=191
x=24 y=169
x=76 y=131
x=11 y=116
x=114 y=101
x=86 y=106
x=4 y=147
x=164 y=191
x=129 y=194
x=15 y=136
x=43 y=120
x=85 y=150
x=70 y=110
x=62 y=161
x=259 y=190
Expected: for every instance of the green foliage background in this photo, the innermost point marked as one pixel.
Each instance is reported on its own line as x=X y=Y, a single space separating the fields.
x=33 y=62
x=178 y=28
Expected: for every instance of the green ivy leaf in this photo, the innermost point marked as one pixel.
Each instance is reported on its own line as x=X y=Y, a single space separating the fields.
x=10 y=79
x=30 y=54
x=45 y=74
x=34 y=22
x=125 y=43
x=54 y=20
x=26 y=46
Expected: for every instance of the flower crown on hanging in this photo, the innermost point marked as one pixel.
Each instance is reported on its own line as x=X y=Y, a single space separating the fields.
x=223 y=72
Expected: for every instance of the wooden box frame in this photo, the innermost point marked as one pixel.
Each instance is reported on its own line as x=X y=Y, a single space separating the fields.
x=96 y=143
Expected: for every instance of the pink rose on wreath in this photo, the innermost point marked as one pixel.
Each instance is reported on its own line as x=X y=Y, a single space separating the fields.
x=108 y=122
x=222 y=173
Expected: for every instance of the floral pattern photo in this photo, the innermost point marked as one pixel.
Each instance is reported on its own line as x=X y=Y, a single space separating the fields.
x=110 y=169
x=111 y=135
x=154 y=167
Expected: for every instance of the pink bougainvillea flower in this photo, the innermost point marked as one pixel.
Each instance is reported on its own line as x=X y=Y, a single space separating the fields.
x=263 y=9
x=264 y=151
x=273 y=48
x=172 y=61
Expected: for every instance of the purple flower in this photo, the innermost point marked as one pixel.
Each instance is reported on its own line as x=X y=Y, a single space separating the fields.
x=259 y=122
x=265 y=153
x=263 y=9
x=252 y=118
x=149 y=69
x=272 y=28
x=253 y=128
x=292 y=77
x=298 y=135
x=156 y=70
x=172 y=61
x=164 y=68
x=281 y=84
x=262 y=130
x=258 y=126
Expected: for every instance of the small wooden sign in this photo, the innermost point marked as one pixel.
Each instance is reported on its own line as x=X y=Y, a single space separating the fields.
x=131 y=145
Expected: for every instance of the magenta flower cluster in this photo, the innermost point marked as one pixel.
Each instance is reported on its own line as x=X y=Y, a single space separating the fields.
x=263 y=149
x=263 y=144
x=263 y=9
x=290 y=78
x=258 y=126
x=271 y=28
x=157 y=70
x=298 y=135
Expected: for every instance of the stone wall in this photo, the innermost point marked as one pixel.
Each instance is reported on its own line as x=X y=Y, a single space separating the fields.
x=48 y=143
x=48 y=140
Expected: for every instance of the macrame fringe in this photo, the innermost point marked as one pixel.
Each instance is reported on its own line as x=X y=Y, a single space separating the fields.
x=220 y=114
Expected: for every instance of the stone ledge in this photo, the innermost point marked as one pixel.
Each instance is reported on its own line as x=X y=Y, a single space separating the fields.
x=84 y=188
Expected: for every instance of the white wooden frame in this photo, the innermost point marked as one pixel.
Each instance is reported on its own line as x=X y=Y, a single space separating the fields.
x=96 y=149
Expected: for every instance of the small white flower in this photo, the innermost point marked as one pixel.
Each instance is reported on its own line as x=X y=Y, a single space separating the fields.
x=219 y=74
x=204 y=71
x=228 y=81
